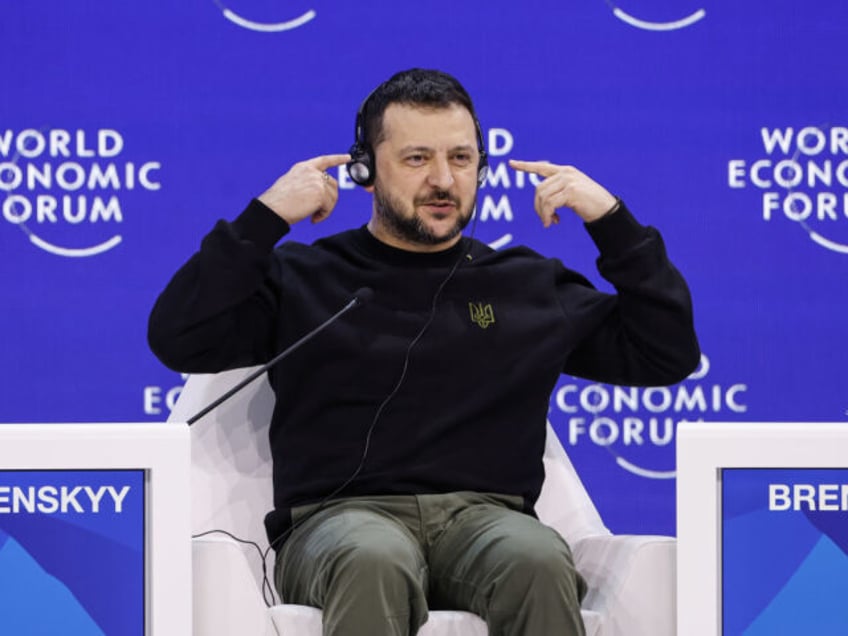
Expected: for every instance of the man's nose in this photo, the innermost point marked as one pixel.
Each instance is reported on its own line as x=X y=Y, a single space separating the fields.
x=441 y=174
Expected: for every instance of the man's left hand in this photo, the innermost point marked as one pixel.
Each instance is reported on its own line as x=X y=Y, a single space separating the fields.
x=566 y=187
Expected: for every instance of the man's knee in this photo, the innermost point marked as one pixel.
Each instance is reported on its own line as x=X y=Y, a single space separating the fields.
x=376 y=589
x=385 y=564
x=537 y=592
x=355 y=551
x=541 y=569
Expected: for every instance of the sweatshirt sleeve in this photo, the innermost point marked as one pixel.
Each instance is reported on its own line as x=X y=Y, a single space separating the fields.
x=219 y=311
x=644 y=334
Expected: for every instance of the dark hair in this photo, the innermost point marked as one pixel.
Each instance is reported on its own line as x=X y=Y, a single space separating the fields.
x=418 y=87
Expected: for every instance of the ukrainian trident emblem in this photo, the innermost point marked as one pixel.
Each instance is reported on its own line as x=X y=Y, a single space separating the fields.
x=481 y=315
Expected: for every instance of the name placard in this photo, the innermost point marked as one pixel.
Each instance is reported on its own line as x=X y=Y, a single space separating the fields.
x=784 y=550
x=72 y=541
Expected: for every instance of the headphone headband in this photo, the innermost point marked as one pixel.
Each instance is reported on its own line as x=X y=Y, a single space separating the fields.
x=362 y=166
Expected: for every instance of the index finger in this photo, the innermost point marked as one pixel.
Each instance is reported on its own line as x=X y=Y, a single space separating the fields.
x=323 y=162
x=543 y=168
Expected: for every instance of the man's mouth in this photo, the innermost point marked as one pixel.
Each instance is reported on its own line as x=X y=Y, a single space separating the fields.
x=440 y=205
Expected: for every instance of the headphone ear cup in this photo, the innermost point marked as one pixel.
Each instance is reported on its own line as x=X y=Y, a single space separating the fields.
x=361 y=165
x=482 y=168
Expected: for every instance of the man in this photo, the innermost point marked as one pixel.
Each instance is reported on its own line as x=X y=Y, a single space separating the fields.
x=408 y=437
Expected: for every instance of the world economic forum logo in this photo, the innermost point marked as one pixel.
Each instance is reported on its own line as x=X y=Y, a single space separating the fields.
x=638 y=425
x=64 y=189
x=641 y=14
x=494 y=203
x=802 y=173
x=265 y=17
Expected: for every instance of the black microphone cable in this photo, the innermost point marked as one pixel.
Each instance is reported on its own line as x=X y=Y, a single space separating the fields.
x=465 y=255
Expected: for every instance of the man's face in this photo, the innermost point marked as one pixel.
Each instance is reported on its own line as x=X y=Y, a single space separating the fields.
x=426 y=184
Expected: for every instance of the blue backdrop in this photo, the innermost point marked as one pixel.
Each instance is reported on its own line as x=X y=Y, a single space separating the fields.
x=127 y=129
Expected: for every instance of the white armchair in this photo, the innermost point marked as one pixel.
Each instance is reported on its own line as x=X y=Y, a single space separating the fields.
x=631 y=578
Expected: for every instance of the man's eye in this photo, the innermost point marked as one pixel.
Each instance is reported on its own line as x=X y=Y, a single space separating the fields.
x=462 y=158
x=415 y=159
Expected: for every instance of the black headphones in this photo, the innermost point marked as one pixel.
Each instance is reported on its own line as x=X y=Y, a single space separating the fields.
x=361 y=167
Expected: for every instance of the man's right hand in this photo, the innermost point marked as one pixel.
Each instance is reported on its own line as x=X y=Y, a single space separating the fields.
x=306 y=190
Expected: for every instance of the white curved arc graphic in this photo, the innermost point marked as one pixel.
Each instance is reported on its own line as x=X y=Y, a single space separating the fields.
x=497 y=244
x=75 y=252
x=644 y=472
x=659 y=26
x=831 y=245
x=272 y=27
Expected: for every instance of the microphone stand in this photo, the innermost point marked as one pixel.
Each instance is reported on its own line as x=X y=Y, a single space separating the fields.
x=359 y=298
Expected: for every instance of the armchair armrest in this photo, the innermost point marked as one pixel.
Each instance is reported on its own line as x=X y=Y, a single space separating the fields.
x=225 y=599
x=631 y=582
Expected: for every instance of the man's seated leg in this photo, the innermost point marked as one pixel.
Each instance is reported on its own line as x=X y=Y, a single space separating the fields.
x=508 y=568
x=360 y=565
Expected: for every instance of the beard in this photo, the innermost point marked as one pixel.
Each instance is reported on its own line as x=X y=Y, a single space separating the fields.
x=411 y=227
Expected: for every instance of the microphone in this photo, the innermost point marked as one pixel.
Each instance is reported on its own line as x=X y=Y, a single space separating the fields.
x=360 y=297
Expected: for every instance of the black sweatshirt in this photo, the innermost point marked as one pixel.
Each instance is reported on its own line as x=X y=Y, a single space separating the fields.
x=470 y=412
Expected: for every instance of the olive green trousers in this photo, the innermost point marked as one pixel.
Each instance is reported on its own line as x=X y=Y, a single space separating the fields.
x=374 y=565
